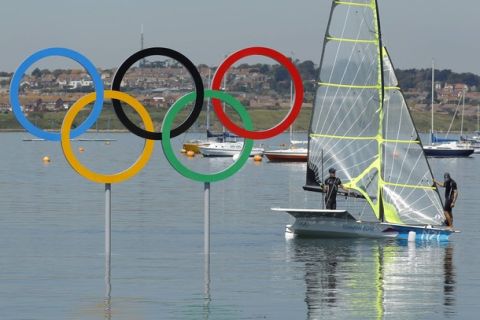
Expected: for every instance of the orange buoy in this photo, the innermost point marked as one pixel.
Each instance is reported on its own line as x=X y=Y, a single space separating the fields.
x=257 y=158
x=190 y=153
x=81 y=149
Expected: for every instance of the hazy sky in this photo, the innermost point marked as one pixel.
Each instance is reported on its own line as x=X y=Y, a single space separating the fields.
x=107 y=31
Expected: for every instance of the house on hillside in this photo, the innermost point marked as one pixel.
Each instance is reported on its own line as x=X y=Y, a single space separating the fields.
x=451 y=92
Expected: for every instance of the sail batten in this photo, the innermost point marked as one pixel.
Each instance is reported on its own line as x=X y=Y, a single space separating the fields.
x=351 y=40
x=339 y=85
x=361 y=124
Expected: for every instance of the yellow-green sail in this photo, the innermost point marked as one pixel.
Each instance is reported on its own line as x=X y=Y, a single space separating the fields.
x=361 y=124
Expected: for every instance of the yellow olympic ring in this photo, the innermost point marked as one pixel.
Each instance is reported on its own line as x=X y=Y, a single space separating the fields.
x=83 y=170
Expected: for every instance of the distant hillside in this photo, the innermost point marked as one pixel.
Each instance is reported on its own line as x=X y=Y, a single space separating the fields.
x=418 y=79
x=421 y=79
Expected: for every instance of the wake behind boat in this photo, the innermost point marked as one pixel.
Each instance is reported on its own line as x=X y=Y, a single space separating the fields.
x=361 y=126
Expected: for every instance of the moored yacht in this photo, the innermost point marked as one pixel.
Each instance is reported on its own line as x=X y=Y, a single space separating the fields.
x=226 y=149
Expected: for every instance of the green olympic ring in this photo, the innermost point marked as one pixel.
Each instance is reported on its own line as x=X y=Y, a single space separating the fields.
x=178 y=165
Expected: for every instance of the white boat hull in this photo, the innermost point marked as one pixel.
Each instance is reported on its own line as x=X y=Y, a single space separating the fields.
x=226 y=150
x=341 y=224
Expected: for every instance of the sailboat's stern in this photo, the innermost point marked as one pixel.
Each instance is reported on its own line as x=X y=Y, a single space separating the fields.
x=422 y=233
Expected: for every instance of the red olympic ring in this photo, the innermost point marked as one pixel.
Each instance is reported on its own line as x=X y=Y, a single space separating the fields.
x=289 y=118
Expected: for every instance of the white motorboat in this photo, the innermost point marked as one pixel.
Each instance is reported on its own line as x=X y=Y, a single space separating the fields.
x=227 y=149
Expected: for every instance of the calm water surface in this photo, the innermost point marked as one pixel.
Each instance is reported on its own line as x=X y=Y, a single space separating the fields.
x=52 y=242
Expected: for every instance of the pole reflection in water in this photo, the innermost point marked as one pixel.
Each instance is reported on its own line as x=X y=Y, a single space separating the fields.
x=372 y=279
x=107 y=301
x=206 y=293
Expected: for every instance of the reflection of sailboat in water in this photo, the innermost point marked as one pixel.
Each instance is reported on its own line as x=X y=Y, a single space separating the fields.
x=375 y=280
x=361 y=126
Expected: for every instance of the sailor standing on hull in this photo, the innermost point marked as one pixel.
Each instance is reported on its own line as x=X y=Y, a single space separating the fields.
x=451 y=194
x=331 y=186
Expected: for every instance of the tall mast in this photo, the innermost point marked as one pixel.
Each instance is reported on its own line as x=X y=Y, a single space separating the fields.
x=478 y=118
x=433 y=92
x=463 y=111
x=291 y=101
x=208 y=101
x=142 y=62
x=224 y=89
x=381 y=93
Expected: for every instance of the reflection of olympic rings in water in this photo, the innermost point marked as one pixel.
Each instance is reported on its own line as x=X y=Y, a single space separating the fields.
x=167 y=132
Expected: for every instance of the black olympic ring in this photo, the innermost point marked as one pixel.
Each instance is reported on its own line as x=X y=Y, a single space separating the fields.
x=159 y=51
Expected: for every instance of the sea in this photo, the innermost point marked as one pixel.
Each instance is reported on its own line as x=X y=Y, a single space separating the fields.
x=52 y=263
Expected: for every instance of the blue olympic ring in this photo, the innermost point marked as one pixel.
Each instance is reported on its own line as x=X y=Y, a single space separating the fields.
x=67 y=53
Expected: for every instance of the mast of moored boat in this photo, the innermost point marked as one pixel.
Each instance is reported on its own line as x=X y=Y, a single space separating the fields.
x=291 y=103
x=433 y=91
x=208 y=101
x=463 y=111
x=478 y=118
x=223 y=105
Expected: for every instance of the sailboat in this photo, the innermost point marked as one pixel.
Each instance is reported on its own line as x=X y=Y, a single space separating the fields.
x=226 y=144
x=195 y=144
x=297 y=152
x=474 y=141
x=442 y=147
x=361 y=126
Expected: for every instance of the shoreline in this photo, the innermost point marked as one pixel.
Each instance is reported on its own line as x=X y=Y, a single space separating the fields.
x=5 y=130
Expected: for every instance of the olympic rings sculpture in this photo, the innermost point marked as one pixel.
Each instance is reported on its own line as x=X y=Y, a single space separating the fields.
x=167 y=131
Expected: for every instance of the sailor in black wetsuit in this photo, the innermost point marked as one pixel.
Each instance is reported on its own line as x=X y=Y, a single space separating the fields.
x=451 y=194
x=332 y=184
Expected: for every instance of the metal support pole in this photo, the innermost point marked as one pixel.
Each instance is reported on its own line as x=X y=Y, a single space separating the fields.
x=206 y=248
x=206 y=224
x=108 y=236
x=433 y=93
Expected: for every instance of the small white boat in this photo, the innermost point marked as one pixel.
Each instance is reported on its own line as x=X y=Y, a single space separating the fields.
x=227 y=149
